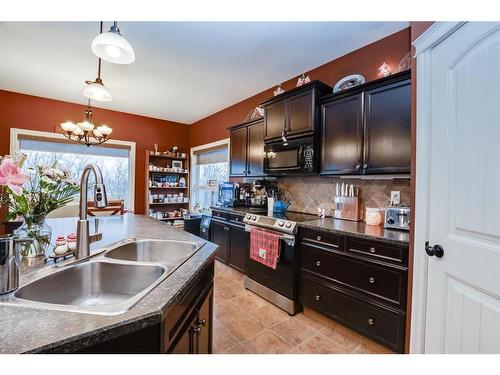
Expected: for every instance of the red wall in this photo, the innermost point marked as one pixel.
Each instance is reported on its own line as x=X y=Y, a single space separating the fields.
x=365 y=61
x=36 y=113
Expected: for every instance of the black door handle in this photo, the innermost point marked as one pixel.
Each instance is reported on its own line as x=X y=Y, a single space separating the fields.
x=436 y=250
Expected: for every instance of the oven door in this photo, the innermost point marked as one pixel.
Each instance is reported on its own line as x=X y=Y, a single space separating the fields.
x=282 y=279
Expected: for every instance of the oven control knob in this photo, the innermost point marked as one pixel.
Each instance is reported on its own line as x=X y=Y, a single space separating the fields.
x=254 y=217
x=288 y=225
x=281 y=223
x=390 y=220
x=249 y=217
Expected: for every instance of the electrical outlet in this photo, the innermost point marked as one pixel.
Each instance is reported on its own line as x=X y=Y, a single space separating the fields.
x=395 y=198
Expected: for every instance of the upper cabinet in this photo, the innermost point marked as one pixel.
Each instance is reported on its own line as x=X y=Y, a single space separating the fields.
x=247 y=149
x=366 y=130
x=293 y=113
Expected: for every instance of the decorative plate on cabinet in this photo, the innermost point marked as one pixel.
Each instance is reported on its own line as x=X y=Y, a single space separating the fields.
x=348 y=82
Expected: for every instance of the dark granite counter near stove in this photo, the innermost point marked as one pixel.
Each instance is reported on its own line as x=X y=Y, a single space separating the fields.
x=32 y=330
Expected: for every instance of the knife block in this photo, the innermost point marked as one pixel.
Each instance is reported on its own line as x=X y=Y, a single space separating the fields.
x=347 y=208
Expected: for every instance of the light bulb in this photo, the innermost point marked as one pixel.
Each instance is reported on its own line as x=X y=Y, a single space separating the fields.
x=68 y=126
x=105 y=130
x=85 y=126
x=113 y=51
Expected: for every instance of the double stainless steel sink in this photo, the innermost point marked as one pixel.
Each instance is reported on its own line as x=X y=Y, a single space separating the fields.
x=110 y=283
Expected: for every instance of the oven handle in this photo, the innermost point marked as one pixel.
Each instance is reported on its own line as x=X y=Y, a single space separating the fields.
x=288 y=238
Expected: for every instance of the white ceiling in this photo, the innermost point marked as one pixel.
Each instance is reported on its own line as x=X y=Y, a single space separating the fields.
x=184 y=71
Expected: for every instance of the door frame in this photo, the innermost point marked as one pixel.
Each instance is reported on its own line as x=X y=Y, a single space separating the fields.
x=423 y=55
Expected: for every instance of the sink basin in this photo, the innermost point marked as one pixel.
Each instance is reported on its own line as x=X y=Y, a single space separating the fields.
x=161 y=251
x=97 y=287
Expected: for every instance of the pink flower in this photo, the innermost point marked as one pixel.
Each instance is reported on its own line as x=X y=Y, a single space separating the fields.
x=11 y=176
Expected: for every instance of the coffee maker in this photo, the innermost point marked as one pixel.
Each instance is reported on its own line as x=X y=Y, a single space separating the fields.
x=259 y=194
x=229 y=194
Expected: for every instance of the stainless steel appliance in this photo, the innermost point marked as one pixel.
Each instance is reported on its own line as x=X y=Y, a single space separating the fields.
x=278 y=286
x=9 y=262
x=296 y=156
x=397 y=218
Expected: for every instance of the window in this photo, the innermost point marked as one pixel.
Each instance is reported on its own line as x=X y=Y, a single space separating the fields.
x=210 y=166
x=114 y=158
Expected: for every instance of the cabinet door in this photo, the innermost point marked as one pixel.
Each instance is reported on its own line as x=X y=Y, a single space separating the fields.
x=342 y=136
x=219 y=237
x=238 y=154
x=274 y=119
x=256 y=149
x=387 y=144
x=239 y=243
x=187 y=343
x=300 y=113
x=205 y=323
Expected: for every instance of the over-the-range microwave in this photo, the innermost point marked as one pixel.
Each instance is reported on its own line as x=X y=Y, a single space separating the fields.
x=296 y=156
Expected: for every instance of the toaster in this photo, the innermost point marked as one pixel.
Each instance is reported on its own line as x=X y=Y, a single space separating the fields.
x=397 y=218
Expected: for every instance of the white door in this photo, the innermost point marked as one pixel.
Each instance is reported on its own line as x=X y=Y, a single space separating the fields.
x=463 y=286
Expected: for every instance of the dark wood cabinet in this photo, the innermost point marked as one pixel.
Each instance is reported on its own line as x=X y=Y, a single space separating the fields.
x=219 y=237
x=293 y=113
x=387 y=146
x=361 y=283
x=238 y=152
x=366 y=129
x=247 y=149
x=231 y=236
x=342 y=136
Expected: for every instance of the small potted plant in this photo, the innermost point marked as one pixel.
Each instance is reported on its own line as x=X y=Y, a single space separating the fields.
x=32 y=195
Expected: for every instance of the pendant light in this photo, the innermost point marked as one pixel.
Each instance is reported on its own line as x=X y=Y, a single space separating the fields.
x=96 y=90
x=113 y=47
x=86 y=132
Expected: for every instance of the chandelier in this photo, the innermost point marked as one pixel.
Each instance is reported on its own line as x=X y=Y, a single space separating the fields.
x=110 y=46
x=85 y=132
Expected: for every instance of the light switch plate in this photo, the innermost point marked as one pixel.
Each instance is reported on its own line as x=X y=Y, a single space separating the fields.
x=395 y=197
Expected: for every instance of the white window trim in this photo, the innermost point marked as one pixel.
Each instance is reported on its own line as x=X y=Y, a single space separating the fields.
x=14 y=146
x=222 y=142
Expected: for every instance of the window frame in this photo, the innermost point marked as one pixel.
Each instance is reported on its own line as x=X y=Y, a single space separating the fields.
x=15 y=134
x=199 y=149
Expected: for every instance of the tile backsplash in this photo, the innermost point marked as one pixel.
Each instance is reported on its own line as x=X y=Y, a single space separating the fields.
x=306 y=194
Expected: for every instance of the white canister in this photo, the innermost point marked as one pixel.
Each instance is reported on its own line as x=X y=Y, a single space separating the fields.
x=373 y=216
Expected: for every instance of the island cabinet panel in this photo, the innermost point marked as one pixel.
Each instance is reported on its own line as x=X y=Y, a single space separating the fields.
x=365 y=292
x=238 y=152
x=246 y=158
x=366 y=129
x=342 y=135
x=293 y=113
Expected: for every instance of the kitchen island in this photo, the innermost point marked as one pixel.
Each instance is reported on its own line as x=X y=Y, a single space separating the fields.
x=158 y=323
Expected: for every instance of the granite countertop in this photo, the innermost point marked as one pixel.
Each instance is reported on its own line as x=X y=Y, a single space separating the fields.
x=31 y=330
x=360 y=230
x=351 y=228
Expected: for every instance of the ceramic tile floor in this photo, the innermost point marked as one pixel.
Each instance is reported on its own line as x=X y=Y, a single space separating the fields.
x=246 y=323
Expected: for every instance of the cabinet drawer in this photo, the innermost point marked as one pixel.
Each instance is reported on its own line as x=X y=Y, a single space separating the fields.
x=221 y=214
x=377 y=250
x=379 y=324
x=384 y=283
x=323 y=239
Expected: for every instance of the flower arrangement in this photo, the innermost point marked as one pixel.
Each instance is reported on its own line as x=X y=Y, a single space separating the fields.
x=33 y=195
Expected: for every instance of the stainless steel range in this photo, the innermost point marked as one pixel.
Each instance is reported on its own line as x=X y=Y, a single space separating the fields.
x=278 y=286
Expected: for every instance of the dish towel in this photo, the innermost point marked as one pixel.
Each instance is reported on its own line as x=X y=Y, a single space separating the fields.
x=264 y=247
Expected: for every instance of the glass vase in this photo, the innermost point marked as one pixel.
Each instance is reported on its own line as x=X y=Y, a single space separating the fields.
x=38 y=231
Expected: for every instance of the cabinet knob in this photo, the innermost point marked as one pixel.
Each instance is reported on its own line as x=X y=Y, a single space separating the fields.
x=371 y=321
x=196 y=330
x=372 y=250
x=319 y=238
x=318 y=263
x=317 y=297
x=358 y=166
x=371 y=280
x=202 y=322
x=365 y=166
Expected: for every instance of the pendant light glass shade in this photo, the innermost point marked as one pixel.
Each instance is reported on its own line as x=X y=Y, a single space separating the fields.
x=113 y=47
x=97 y=91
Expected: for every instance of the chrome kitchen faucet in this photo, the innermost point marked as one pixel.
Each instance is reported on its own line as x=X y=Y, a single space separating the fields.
x=84 y=239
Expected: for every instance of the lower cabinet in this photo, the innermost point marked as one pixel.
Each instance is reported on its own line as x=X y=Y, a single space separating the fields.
x=365 y=291
x=229 y=233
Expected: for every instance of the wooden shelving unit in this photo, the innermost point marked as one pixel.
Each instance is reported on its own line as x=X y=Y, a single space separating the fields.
x=165 y=161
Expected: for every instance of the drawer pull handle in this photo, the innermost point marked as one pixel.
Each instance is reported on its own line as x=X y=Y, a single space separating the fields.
x=318 y=238
x=317 y=297
x=372 y=250
x=202 y=322
x=371 y=321
x=371 y=280
x=318 y=263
